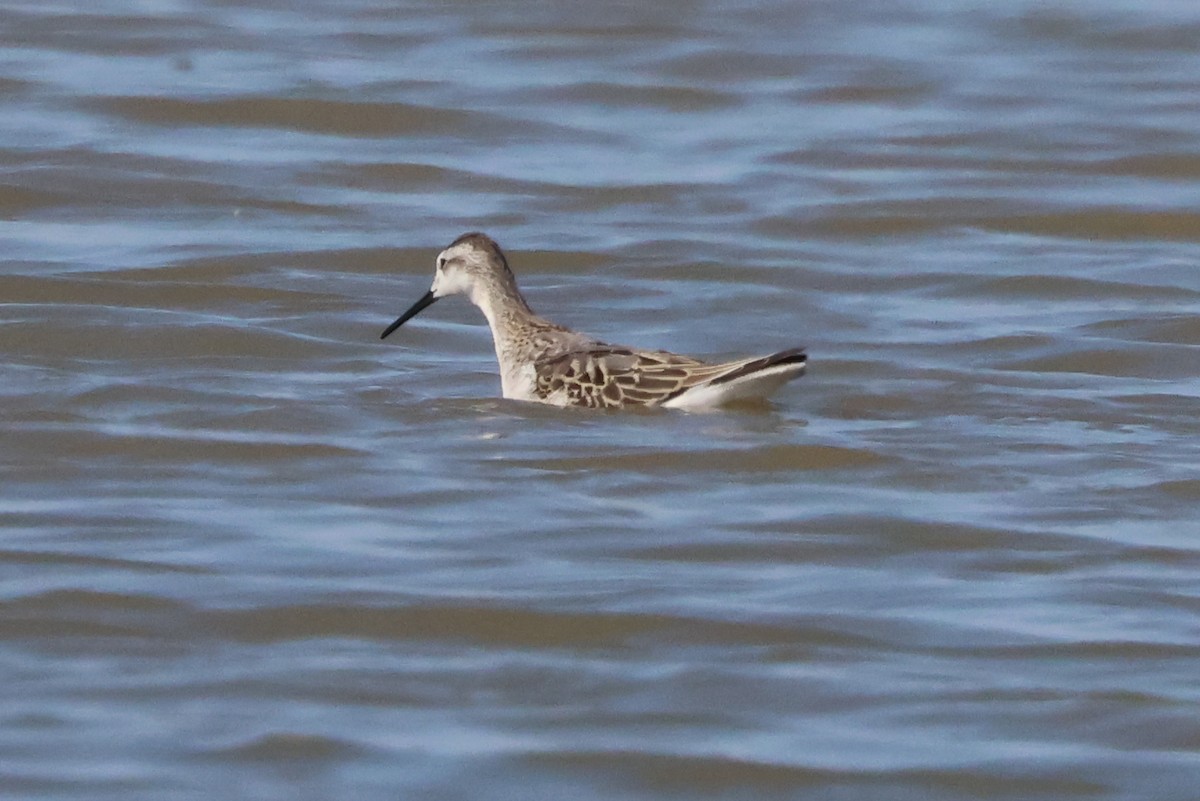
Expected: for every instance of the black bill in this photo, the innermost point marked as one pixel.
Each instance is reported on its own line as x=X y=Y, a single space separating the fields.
x=427 y=300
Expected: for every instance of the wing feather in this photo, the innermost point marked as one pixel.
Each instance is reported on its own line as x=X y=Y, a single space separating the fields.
x=605 y=376
x=611 y=376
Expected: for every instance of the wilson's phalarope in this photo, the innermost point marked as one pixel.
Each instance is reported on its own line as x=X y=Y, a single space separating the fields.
x=544 y=362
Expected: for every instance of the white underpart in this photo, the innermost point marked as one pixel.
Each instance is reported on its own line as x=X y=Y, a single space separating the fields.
x=518 y=382
x=756 y=385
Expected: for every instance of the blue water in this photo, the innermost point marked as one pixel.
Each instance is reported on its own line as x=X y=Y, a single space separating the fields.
x=249 y=551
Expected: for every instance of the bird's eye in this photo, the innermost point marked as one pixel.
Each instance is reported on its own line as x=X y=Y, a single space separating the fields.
x=441 y=262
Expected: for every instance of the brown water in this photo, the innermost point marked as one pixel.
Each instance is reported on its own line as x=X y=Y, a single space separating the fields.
x=249 y=551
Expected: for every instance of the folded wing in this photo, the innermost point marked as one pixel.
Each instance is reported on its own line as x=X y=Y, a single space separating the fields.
x=608 y=376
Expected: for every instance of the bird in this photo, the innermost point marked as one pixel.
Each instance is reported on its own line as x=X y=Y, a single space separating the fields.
x=547 y=363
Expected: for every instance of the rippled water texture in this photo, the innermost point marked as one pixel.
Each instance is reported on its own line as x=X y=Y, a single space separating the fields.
x=250 y=551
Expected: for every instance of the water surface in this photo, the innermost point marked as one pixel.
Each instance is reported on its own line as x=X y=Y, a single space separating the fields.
x=249 y=551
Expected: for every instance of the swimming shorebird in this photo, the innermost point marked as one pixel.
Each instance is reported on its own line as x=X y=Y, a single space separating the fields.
x=544 y=362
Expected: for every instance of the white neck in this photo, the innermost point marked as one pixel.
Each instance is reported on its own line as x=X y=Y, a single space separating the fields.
x=504 y=314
